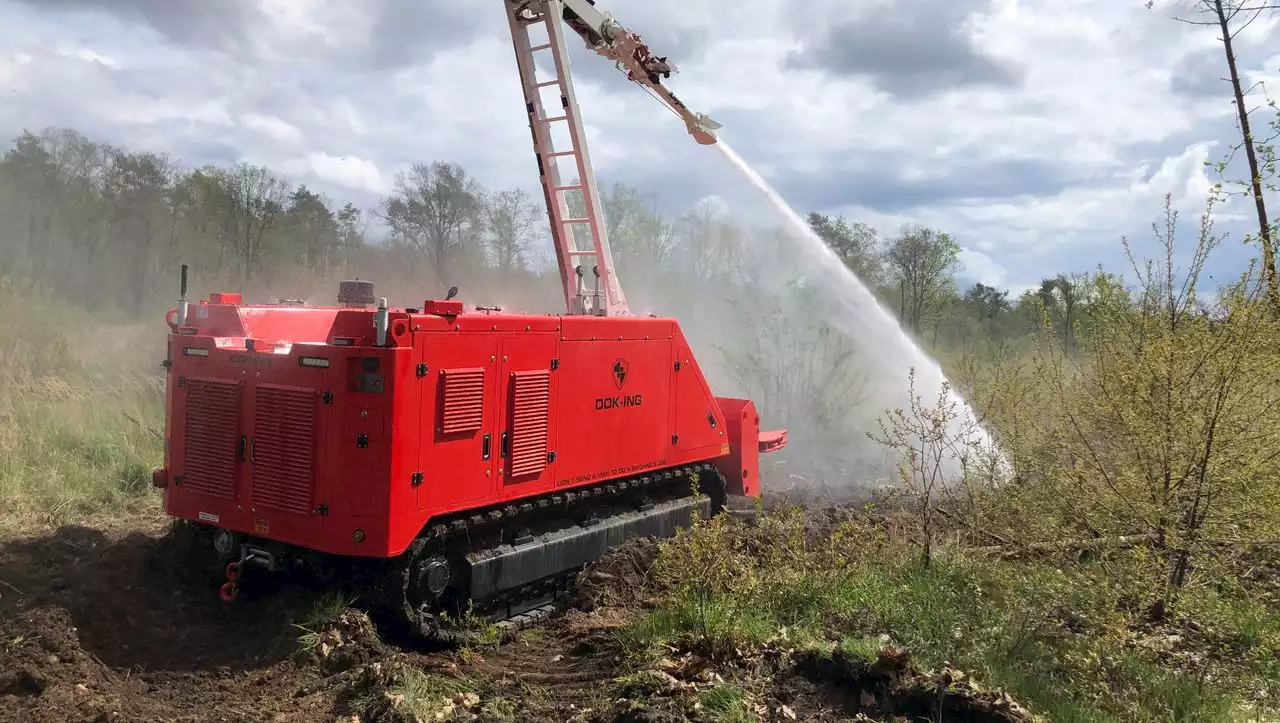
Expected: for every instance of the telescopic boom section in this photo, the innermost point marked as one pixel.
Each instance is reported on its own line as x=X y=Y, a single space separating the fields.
x=578 y=230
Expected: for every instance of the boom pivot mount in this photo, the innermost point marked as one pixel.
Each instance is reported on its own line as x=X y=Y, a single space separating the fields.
x=577 y=227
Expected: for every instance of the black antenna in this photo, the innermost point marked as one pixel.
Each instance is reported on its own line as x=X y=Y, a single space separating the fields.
x=183 y=289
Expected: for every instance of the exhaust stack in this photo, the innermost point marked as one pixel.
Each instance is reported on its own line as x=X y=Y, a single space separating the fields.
x=380 y=320
x=182 y=299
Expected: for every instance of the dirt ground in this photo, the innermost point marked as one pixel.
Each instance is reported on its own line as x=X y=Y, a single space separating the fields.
x=106 y=625
x=123 y=623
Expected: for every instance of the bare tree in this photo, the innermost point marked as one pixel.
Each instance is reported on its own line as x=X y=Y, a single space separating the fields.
x=254 y=199
x=138 y=187
x=641 y=239
x=511 y=218
x=804 y=374
x=311 y=228
x=79 y=208
x=1062 y=299
x=351 y=228
x=939 y=447
x=431 y=207
x=1231 y=17
x=708 y=242
x=922 y=260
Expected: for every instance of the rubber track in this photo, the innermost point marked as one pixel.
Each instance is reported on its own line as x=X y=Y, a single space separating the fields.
x=476 y=523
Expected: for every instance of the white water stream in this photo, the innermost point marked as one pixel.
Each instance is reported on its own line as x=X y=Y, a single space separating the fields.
x=861 y=316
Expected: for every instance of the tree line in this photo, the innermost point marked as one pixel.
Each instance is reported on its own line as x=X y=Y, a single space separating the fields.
x=108 y=227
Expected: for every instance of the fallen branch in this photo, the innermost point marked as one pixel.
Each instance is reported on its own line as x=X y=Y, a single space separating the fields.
x=345 y=676
x=1123 y=542
x=965 y=523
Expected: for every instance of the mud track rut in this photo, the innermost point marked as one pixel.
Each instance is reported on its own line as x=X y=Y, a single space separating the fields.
x=124 y=624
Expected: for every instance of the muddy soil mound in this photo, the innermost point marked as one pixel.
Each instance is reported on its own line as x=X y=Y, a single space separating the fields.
x=892 y=685
x=773 y=683
x=124 y=625
x=620 y=579
x=347 y=641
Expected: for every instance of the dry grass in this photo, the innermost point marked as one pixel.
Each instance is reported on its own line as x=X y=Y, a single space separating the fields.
x=81 y=404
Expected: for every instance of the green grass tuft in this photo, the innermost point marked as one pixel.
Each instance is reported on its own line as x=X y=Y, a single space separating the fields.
x=1059 y=640
x=324 y=611
x=422 y=696
x=726 y=703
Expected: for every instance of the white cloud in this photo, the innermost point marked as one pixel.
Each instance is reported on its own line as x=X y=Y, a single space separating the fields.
x=348 y=172
x=1182 y=176
x=11 y=70
x=271 y=126
x=88 y=55
x=980 y=268
x=141 y=110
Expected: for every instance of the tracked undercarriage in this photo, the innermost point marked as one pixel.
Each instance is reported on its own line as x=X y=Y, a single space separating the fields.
x=511 y=564
x=507 y=566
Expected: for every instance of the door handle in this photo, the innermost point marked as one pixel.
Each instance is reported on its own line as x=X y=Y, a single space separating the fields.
x=487 y=444
x=506 y=444
x=242 y=448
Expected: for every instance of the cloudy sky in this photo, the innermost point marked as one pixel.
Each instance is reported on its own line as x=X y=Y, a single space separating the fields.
x=1036 y=131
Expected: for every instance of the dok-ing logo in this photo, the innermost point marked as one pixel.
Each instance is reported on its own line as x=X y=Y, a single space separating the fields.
x=620 y=370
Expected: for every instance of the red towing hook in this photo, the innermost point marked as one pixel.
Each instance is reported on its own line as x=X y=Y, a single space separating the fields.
x=230 y=589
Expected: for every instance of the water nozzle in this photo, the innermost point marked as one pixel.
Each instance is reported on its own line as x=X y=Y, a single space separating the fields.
x=703 y=129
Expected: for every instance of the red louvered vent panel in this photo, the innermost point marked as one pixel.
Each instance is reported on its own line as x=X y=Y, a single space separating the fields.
x=211 y=426
x=530 y=407
x=284 y=458
x=462 y=401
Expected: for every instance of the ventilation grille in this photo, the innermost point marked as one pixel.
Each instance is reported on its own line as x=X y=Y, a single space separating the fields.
x=209 y=437
x=284 y=447
x=530 y=405
x=462 y=401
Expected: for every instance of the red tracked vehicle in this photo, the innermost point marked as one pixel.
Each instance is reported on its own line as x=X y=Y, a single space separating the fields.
x=460 y=458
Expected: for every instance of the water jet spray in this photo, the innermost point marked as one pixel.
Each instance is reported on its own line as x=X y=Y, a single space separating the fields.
x=864 y=316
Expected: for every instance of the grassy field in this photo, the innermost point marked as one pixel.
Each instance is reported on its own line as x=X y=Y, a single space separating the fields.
x=1062 y=638
x=81 y=404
